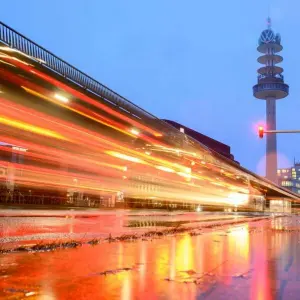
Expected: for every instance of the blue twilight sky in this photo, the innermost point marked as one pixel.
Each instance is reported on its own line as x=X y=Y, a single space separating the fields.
x=190 y=61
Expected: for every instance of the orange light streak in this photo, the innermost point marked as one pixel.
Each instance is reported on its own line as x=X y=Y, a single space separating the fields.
x=83 y=97
x=99 y=119
x=30 y=128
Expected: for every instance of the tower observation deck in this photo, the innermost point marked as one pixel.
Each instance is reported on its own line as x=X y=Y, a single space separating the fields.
x=270 y=87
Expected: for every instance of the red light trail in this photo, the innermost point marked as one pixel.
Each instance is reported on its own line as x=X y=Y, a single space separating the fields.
x=69 y=136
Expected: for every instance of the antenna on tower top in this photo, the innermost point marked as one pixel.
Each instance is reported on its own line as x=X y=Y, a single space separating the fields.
x=269 y=23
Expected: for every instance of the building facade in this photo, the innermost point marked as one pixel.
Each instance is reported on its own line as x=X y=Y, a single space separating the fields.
x=289 y=178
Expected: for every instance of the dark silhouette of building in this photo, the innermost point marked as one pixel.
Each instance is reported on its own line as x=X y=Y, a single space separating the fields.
x=215 y=145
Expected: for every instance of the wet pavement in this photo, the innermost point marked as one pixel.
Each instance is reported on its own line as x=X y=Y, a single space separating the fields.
x=253 y=260
x=22 y=225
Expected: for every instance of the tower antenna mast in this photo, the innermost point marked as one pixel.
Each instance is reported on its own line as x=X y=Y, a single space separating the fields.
x=269 y=22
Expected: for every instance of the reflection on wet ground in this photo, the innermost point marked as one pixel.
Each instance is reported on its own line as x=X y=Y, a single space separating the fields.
x=27 y=226
x=258 y=260
x=155 y=223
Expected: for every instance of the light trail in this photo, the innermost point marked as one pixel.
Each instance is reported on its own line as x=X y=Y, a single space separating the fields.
x=76 y=143
x=30 y=128
x=80 y=95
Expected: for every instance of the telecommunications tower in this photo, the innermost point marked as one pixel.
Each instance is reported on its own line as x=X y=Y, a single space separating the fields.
x=270 y=87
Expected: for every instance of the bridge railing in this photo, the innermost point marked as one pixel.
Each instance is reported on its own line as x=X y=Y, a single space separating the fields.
x=19 y=42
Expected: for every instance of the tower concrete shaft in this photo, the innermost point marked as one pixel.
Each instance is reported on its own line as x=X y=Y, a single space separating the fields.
x=271 y=146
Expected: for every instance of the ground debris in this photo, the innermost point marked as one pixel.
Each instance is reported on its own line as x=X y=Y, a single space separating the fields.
x=94 y=241
x=128 y=237
x=26 y=293
x=168 y=279
x=41 y=247
x=22 y=248
x=244 y=275
x=190 y=272
x=114 y=271
x=193 y=233
x=286 y=229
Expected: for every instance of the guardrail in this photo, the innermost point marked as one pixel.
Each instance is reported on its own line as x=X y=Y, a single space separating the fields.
x=19 y=42
x=261 y=87
x=271 y=77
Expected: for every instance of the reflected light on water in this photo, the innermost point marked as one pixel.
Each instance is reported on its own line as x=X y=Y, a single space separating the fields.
x=172 y=272
x=184 y=254
x=120 y=255
x=143 y=265
x=126 y=287
x=240 y=237
x=261 y=289
x=161 y=261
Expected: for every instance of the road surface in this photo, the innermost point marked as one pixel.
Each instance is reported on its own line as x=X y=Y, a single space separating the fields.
x=251 y=260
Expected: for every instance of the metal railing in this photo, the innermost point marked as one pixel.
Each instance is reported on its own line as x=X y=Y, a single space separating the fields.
x=19 y=42
x=261 y=87
x=270 y=76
